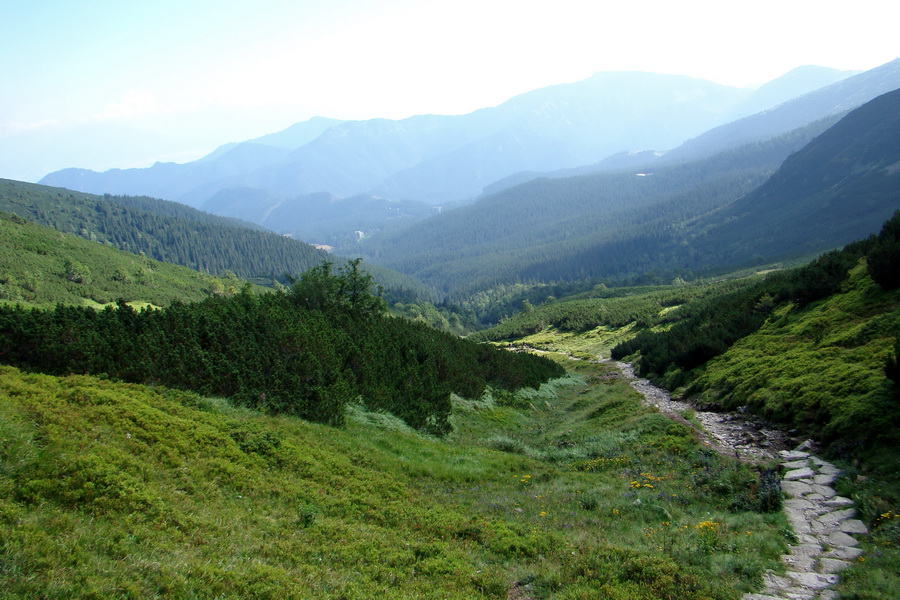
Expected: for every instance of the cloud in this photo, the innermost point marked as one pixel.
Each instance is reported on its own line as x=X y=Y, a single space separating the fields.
x=130 y=105
x=13 y=128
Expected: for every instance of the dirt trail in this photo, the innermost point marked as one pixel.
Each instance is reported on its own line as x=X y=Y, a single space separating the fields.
x=728 y=433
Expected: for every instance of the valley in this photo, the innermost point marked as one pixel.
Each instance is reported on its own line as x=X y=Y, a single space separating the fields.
x=634 y=337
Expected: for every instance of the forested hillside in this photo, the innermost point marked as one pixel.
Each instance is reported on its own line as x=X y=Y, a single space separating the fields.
x=40 y=266
x=603 y=225
x=675 y=221
x=318 y=218
x=838 y=188
x=174 y=233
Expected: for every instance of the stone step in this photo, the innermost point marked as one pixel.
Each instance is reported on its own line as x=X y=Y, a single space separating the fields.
x=844 y=552
x=798 y=593
x=824 y=478
x=832 y=565
x=795 y=464
x=799 y=562
x=793 y=454
x=796 y=488
x=838 y=515
x=799 y=504
x=838 y=501
x=839 y=538
x=827 y=492
x=815 y=581
x=806 y=550
x=853 y=526
x=804 y=473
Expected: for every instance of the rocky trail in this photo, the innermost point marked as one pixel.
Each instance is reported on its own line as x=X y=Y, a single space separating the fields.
x=823 y=522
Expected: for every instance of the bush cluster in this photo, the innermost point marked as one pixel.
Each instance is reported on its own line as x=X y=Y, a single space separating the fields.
x=714 y=324
x=309 y=351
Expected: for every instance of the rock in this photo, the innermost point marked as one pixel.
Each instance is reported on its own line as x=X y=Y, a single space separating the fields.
x=796 y=488
x=840 y=538
x=814 y=581
x=760 y=597
x=824 y=490
x=799 y=503
x=808 y=539
x=795 y=464
x=792 y=454
x=832 y=565
x=838 y=516
x=824 y=479
x=808 y=445
x=799 y=563
x=774 y=582
x=798 y=593
x=844 y=553
x=806 y=550
x=804 y=473
x=829 y=469
x=838 y=501
x=853 y=526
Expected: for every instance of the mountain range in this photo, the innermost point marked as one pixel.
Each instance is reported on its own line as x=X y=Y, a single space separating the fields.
x=648 y=213
x=437 y=160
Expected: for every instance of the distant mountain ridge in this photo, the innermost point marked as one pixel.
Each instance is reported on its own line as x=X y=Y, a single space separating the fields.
x=783 y=115
x=437 y=159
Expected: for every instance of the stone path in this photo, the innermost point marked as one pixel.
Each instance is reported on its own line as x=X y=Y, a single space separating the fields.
x=824 y=522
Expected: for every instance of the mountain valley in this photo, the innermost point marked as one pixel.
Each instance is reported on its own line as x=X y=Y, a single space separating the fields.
x=357 y=359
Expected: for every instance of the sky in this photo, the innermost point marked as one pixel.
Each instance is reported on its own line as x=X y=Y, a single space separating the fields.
x=121 y=83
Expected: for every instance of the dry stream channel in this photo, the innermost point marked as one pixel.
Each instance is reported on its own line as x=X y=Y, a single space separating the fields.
x=824 y=523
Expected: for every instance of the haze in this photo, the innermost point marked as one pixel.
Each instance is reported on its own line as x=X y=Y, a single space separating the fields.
x=102 y=84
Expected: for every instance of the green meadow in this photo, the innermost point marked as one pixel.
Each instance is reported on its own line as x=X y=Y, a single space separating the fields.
x=112 y=490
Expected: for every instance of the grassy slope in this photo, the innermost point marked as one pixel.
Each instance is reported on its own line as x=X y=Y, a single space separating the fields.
x=114 y=490
x=817 y=369
x=820 y=369
x=33 y=270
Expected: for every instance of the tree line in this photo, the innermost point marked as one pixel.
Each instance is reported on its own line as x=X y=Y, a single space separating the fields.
x=308 y=351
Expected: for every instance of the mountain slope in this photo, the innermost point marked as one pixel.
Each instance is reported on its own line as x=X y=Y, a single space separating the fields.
x=170 y=181
x=679 y=218
x=791 y=85
x=593 y=225
x=205 y=242
x=839 y=187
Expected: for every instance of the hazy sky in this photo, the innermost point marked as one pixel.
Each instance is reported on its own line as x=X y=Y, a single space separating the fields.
x=199 y=73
